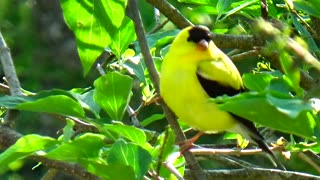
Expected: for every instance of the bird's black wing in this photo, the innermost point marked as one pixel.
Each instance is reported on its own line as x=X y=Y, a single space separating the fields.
x=214 y=89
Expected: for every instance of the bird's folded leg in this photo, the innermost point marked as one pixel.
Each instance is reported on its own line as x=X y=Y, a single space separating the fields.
x=187 y=144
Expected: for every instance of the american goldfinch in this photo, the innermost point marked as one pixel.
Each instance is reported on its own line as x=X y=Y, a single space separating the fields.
x=195 y=70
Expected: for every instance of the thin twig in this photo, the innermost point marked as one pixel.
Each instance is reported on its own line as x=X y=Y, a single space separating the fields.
x=50 y=174
x=253 y=174
x=133 y=116
x=72 y=169
x=4 y=89
x=244 y=55
x=158 y=27
x=303 y=53
x=310 y=161
x=208 y=151
x=173 y=170
x=230 y=161
x=171 y=13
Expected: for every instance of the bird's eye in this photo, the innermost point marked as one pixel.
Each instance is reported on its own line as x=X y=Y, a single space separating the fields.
x=196 y=34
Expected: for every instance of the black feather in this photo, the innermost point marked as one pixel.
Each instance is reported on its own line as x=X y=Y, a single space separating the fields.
x=258 y=139
x=214 y=89
x=197 y=33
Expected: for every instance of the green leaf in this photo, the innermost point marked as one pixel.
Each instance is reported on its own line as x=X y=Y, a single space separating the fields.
x=305 y=34
x=158 y=39
x=136 y=67
x=222 y=6
x=26 y=146
x=291 y=71
x=58 y=104
x=68 y=131
x=85 y=98
x=131 y=155
x=257 y=81
x=310 y=7
x=84 y=150
x=290 y=107
x=123 y=37
x=54 y=101
x=151 y=119
x=94 y=23
x=238 y=8
x=165 y=150
x=200 y=2
x=115 y=10
x=131 y=133
x=112 y=93
x=112 y=171
x=286 y=115
x=166 y=143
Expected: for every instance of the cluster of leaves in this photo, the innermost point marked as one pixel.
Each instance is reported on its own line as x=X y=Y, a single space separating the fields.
x=123 y=151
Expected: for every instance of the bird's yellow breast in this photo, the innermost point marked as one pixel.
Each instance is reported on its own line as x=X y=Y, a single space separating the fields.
x=183 y=93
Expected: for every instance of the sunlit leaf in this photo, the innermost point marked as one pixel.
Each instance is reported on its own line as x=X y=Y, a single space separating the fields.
x=130 y=132
x=54 y=101
x=26 y=146
x=286 y=115
x=85 y=98
x=291 y=71
x=123 y=37
x=94 y=23
x=238 y=8
x=132 y=155
x=222 y=6
x=310 y=7
x=257 y=82
x=112 y=93
x=83 y=149
x=112 y=171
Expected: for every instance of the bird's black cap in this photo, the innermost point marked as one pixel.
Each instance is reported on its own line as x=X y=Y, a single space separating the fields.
x=198 y=33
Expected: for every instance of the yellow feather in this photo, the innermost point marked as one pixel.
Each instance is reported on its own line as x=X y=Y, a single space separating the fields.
x=180 y=87
x=191 y=53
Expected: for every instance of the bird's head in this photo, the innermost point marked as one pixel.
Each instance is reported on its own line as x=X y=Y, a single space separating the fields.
x=193 y=42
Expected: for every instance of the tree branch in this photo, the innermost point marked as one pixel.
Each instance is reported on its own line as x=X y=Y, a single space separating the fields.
x=68 y=168
x=8 y=68
x=264 y=9
x=253 y=174
x=171 y=13
x=245 y=42
x=135 y=16
x=11 y=77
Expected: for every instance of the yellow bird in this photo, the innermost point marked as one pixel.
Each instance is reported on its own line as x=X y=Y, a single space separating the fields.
x=195 y=70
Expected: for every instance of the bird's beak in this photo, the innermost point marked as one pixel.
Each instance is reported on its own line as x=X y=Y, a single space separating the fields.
x=203 y=45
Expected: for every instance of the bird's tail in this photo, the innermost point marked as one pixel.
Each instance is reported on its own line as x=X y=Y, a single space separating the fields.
x=261 y=143
x=248 y=130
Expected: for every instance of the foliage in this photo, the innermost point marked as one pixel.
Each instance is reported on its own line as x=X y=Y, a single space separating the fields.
x=120 y=150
